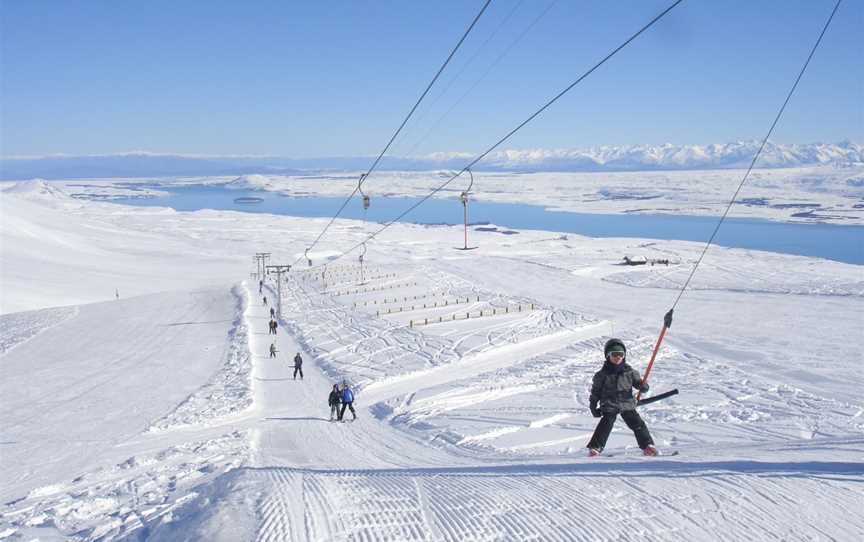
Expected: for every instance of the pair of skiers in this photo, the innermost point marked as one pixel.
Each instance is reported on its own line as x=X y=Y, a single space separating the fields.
x=612 y=394
x=273 y=325
x=344 y=397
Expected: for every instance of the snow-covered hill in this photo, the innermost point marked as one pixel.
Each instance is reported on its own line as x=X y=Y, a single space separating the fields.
x=163 y=417
x=38 y=190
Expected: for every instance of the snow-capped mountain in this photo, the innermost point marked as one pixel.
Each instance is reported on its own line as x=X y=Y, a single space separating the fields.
x=668 y=156
x=602 y=158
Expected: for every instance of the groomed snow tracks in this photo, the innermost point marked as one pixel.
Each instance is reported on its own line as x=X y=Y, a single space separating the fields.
x=653 y=499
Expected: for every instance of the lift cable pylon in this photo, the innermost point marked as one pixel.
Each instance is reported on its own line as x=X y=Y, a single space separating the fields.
x=279 y=269
x=463 y=197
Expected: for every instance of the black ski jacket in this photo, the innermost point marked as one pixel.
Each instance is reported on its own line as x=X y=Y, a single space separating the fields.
x=334 y=399
x=612 y=388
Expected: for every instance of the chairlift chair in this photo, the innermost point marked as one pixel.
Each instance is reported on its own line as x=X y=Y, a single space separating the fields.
x=366 y=200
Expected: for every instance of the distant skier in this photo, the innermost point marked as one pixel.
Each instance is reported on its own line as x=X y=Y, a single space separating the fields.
x=333 y=401
x=273 y=326
x=298 y=366
x=260 y=286
x=347 y=402
x=612 y=394
x=273 y=350
x=116 y=293
x=272 y=312
x=265 y=300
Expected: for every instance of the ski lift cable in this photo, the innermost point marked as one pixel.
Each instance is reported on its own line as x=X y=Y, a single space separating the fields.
x=758 y=152
x=517 y=128
x=482 y=77
x=418 y=120
x=407 y=117
x=667 y=318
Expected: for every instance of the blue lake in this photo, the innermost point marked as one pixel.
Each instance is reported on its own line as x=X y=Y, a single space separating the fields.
x=841 y=243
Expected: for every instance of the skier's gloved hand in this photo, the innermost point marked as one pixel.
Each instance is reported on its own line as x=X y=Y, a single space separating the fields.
x=644 y=387
x=595 y=411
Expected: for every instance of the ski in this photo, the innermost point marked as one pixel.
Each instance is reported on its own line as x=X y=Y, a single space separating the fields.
x=671 y=453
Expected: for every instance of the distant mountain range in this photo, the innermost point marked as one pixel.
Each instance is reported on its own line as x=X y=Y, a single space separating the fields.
x=603 y=158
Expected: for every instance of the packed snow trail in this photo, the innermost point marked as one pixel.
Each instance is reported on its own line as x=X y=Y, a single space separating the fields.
x=99 y=378
x=294 y=427
x=163 y=465
x=316 y=480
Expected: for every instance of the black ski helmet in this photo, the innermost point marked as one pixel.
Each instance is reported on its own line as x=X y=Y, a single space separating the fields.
x=616 y=345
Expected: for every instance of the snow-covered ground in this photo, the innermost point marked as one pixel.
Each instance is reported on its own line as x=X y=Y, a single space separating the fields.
x=159 y=415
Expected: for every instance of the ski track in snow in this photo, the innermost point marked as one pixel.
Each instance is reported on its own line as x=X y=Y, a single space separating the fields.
x=586 y=501
x=229 y=391
x=19 y=327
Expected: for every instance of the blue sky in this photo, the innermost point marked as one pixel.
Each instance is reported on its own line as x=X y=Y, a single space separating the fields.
x=335 y=78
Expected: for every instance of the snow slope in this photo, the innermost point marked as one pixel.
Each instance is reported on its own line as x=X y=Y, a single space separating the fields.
x=162 y=417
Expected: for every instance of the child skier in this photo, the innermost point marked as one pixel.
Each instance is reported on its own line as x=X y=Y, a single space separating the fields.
x=612 y=394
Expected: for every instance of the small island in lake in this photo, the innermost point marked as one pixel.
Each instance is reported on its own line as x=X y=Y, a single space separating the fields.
x=248 y=200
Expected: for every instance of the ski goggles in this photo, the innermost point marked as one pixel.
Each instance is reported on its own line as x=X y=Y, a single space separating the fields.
x=616 y=354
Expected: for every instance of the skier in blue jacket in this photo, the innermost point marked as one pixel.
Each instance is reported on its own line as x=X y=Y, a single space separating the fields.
x=347 y=402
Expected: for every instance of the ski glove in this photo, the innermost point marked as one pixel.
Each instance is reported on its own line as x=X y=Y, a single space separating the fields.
x=644 y=387
x=595 y=411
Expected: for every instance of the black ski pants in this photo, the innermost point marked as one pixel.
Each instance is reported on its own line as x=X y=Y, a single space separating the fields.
x=348 y=406
x=298 y=369
x=633 y=421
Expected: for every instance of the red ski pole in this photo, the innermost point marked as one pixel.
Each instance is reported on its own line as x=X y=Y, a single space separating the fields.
x=667 y=323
